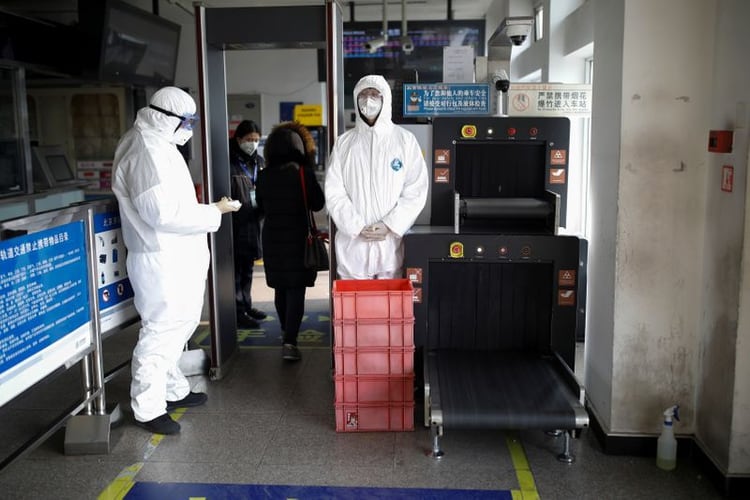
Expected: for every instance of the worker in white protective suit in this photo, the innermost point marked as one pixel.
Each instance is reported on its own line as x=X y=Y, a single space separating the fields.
x=376 y=186
x=164 y=229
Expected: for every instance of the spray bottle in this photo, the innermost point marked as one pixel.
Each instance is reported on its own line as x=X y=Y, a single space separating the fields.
x=666 y=445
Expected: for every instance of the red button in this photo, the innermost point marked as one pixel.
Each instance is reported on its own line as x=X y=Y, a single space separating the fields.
x=533 y=131
x=511 y=131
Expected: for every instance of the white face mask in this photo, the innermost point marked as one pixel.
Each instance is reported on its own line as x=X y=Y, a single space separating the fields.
x=249 y=147
x=369 y=106
x=181 y=136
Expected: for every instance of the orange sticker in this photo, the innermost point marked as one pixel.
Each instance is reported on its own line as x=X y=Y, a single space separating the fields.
x=566 y=298
x=566 y=277
x=442 y=157
x=442 y=176
x=414 y=274
x=558 y=156
x=557 y=176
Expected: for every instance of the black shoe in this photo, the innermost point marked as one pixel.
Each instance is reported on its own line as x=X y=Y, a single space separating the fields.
x=256 y=314
x=245 y=321
x=192 y=399
x=290 y=352
x=163 y=424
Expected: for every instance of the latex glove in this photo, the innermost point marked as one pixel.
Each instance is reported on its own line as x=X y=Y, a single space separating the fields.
x=226 y=205
x=375 y=232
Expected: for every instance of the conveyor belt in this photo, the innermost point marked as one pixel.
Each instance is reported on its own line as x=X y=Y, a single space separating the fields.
x=501 y=389
x=498 y=208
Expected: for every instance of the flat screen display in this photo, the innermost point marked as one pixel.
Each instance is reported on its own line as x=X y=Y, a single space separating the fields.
x=138 y=47
x=59 y=168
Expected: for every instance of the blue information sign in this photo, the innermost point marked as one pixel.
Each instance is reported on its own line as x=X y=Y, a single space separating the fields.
x=111 y=273
x=438 y=99
x=112 y=283
x=44 y=300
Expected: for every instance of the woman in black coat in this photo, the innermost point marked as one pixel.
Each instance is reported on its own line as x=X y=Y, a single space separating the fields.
x=245 y=166
x=289 y=148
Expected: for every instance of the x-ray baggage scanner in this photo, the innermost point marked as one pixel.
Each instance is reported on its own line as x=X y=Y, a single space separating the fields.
x=499 y=296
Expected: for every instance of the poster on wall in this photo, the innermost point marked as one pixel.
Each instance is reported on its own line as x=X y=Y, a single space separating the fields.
x=45 y=316
x=444 y=99
x=549 y=99
x=113 y=286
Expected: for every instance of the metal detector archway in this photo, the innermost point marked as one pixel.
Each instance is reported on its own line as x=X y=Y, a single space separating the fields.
x=219 y=30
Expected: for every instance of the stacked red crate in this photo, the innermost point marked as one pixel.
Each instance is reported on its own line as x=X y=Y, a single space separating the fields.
x=373 y=328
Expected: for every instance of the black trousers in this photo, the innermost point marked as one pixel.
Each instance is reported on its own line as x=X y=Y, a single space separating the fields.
x=243 y=283
x=290 y=306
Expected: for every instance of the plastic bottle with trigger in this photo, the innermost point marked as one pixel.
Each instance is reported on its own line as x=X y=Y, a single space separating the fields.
x=666 y=445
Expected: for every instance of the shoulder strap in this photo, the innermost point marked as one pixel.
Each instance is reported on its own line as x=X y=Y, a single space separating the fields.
x=310 y=219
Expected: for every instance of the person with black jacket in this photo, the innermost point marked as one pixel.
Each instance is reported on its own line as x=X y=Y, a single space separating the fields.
x=289 y=149
x=246 y=165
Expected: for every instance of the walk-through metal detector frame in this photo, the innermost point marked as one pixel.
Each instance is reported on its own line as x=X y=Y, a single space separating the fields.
x=219 y=30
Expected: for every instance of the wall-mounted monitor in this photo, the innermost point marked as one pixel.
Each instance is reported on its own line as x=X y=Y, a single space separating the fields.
x=137 y=46
x=51 y=168
x=132 y=45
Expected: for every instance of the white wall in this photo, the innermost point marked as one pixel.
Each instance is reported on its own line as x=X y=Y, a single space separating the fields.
x=668 y=277
x=661 y=215
x=723 y=413
x=603 y=207
x=280 y=75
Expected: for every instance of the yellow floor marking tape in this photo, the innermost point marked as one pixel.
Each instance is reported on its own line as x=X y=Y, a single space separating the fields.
x=125 y=480
x=523 y=471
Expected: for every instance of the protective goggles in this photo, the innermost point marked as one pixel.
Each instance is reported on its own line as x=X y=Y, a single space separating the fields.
x=186 y=121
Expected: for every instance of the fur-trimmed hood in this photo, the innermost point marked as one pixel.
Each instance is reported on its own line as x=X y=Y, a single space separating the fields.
x=289 y=141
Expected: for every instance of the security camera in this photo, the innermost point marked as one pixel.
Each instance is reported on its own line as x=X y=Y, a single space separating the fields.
x=501 y=81
x=517 y=33
x=407 y=45
x=518 y=28
x=373 y=45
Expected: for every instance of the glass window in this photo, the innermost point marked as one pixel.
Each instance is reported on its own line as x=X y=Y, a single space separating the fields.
x=12 y=160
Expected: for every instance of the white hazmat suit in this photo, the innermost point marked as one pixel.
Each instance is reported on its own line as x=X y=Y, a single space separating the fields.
x=376 y=175
x=164 y=229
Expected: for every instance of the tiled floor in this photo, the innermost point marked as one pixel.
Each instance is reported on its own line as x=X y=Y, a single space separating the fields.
x=273 y=423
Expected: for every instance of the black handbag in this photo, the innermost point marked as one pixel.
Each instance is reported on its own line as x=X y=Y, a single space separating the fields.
x=316 y=253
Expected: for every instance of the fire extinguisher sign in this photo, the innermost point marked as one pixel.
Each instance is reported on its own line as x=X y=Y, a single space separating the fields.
x=727 y=178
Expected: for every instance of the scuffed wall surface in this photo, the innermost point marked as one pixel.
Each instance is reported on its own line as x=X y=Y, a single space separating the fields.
x=661 y=212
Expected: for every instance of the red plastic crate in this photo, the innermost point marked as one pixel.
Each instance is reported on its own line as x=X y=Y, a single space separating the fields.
x=374 y=389
x=373 y=333
x=368 y=417
x=374 y=361
x=373 y=299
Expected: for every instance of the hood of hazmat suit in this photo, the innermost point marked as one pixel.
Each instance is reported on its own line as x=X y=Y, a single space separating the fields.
x=375 y=173
x=164 y=227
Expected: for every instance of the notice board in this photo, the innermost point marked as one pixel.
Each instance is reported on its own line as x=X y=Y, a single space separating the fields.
x=113 y=288
x=45 y=313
